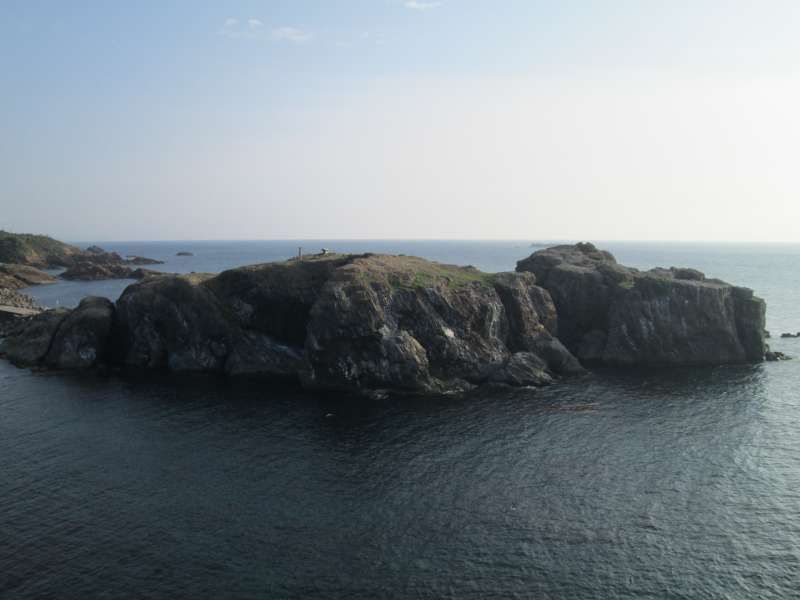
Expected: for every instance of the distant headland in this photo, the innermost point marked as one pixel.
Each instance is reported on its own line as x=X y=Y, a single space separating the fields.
x=44 y=252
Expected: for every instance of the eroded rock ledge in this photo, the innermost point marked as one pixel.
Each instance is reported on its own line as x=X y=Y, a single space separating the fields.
x=616 y=315
x=377 y=322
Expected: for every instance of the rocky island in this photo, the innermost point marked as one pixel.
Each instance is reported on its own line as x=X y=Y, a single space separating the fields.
x=369 y=323
x=616 y=315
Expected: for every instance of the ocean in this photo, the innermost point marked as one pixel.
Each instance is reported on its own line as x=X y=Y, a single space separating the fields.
x=663 y=483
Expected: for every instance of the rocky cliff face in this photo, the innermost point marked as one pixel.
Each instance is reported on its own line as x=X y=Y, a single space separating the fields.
x=83 y=338
x=405 y=323
x=356 y=323
x=374 y=322
x=611 y=314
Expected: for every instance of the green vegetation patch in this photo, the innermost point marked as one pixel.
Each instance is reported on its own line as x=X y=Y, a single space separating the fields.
x=411 y=272
x=438 y=274
x=26 y=247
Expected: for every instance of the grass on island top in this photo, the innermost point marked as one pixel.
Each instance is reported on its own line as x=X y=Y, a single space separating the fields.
x=402 y=271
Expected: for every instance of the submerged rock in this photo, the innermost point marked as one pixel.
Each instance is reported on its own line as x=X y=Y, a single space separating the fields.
x=611 y=314
x=522 y=369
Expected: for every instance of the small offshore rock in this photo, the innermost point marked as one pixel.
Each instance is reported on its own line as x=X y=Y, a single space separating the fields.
x=87 y=271
x=142 y=260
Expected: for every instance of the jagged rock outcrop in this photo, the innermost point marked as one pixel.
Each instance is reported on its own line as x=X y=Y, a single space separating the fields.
x=181 y=324
x=276 y=298
x=171 y=322
x=29 y=342
x=616 y=315
x=336 y=322
x=61 y=338
x=83 y=338
x=385 y=322
x=370 y=322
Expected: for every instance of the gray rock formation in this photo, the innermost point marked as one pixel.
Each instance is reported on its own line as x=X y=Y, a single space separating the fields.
x=82 y=339
x=370 y=323
x=65 y=339
x=616 y=315
x=29 y=343
x=385 y=322
x=181 y=324
x=356 y=323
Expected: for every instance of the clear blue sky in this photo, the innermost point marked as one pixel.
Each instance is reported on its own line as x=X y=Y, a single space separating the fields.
x=395 y=118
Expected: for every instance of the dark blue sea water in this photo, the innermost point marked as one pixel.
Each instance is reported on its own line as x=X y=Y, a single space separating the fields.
x=681 y=483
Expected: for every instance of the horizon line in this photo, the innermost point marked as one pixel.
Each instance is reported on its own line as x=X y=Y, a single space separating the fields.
x=530 y=241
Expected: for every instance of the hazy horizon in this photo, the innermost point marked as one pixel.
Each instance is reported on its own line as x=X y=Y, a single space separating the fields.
x=526 y=241
x=401 y=119
x=410 y=239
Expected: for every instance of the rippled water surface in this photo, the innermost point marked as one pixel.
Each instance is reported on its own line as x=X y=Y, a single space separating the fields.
x=677 y=483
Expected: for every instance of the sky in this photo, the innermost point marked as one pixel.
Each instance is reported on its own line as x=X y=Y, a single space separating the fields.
x=463 y=119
